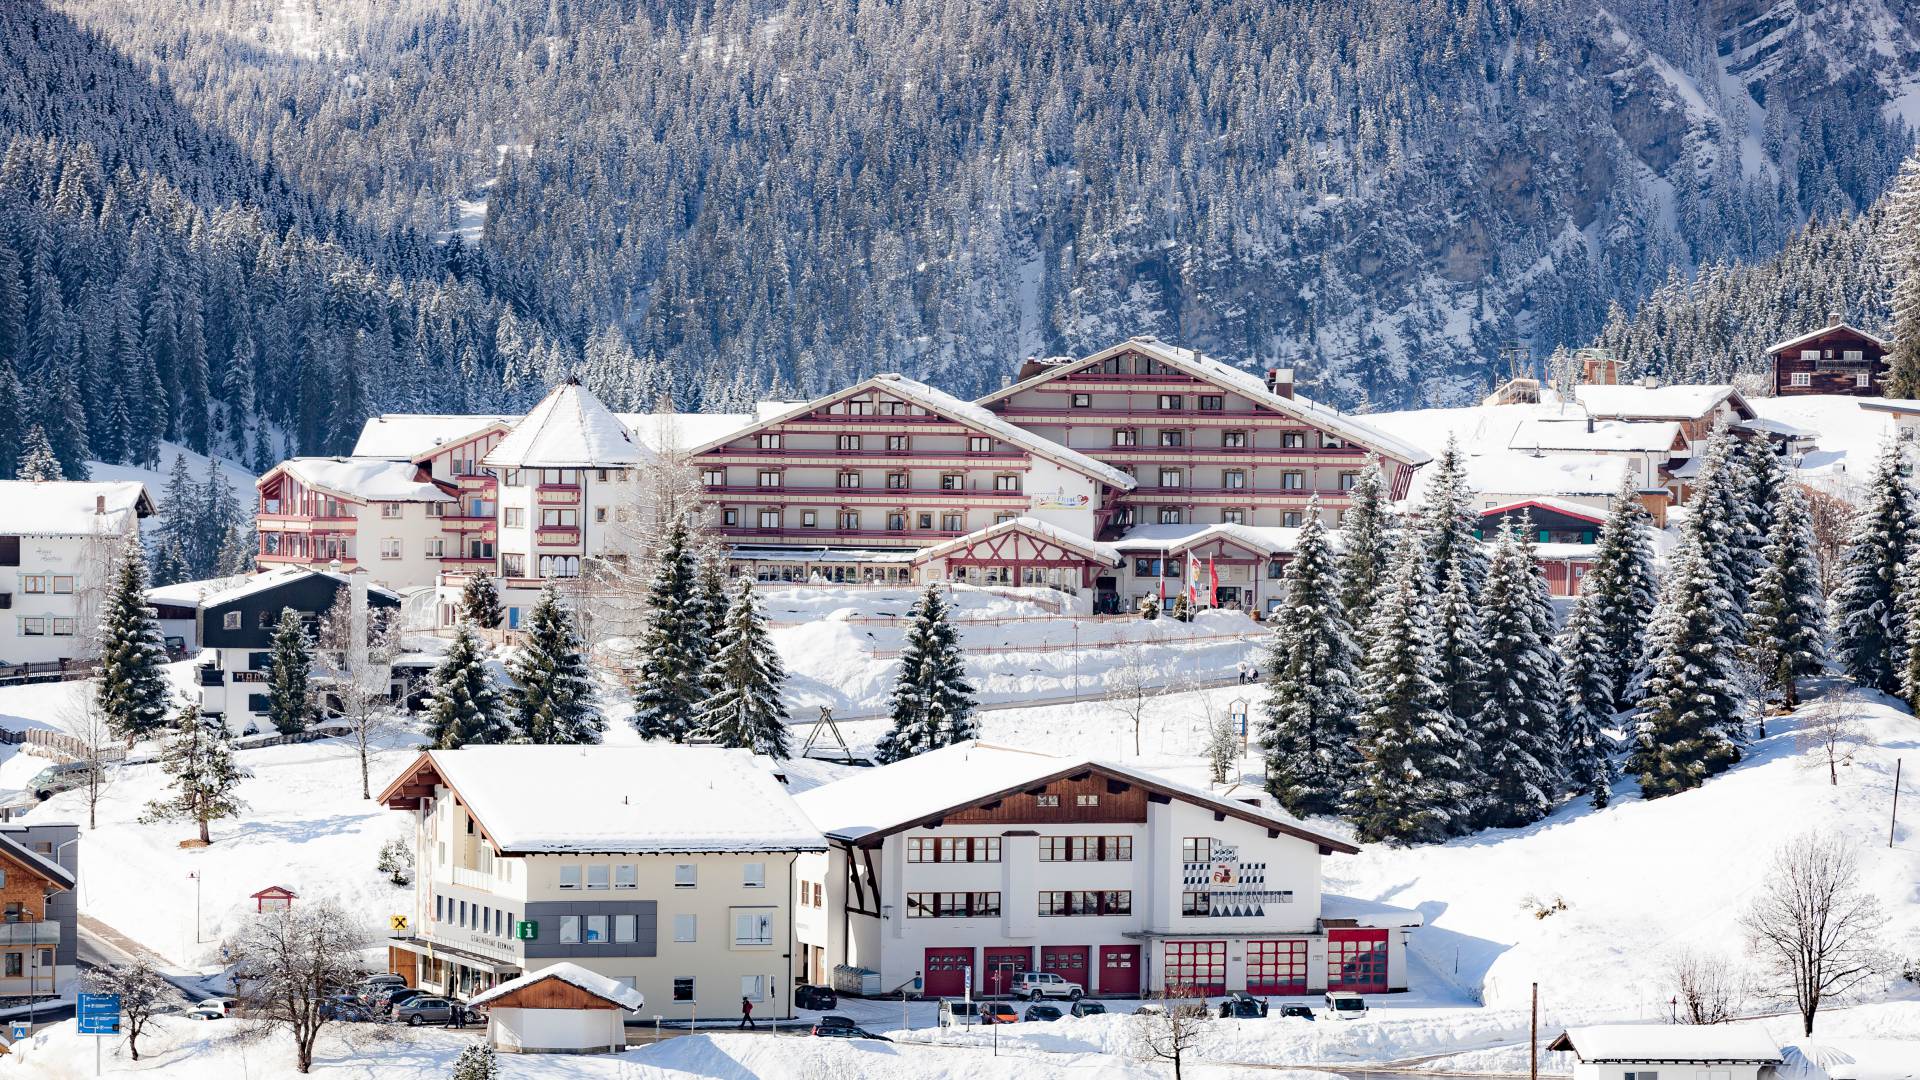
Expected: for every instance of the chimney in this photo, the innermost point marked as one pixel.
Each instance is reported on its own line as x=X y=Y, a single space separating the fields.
x=1280 y=381
x=1006 y=381
x=1650 y=382
x=99 y=504
x=1835 y=318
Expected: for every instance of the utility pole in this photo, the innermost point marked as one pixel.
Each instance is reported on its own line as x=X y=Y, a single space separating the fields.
x=1533 y=1037
x=195 y=875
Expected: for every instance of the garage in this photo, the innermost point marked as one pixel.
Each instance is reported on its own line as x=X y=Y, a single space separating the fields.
x=1001 y=966
x=1067 y=961
x=1357 y=961
x=1119 y=970
x=1276 y=967
x=946 y=972
x=1195 y=968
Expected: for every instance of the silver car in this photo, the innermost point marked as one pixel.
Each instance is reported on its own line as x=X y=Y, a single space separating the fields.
x=424 y=1009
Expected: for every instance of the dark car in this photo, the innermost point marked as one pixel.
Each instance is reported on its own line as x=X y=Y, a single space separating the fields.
x=1301 y=1012
x=345 y=1009
x=815 y=997
x=1243 y=1005
x=1043 y=1012
x=1083 y=1007
x=843 y=1028
x=387 y=1000
x=833 y=1021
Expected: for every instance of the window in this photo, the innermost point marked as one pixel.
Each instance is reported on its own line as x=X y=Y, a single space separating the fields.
x=570 y=929
x=1173 y=438
x=1640 y=1074
x=1293 y=481
x=626 y=876
x=1196 y=849
x=752 y=987
x=1087 y=902
x=1290 y=519
x=559 y=566
x=1233 y=479
x=848 y=480
x=1169 y=478
x=1233 y=440
x=1293 y=440
x=752 y=928
x=897 y=481
x=952 y=482
x=1006 y=482
x=770 y=478
x=559 y=519
x=862 y=407
x=1169 y=515
x=1086 y=849
x=1126 y=437
x=897 y=443
x=63 y=626
x=753 y=875
x=713 y=477
x=953 y=905
x=809 y=519
x=513 y=564
x=596 y=930
x=1853 y=356
x=1046 y=800
x=625 y=928
x=514 y=517
x=33 y=583
x=1234 y=516
x=436 y=547
x=1860 y=380
x=230 y=621
x=979 y=444
x=390 y=510
x=683 y=988
x=569 y=877
x=769 y=519
x=14 y=966
x=685 y=927
x=923 y=520
x=950 y=522
x=896 y=522
x=597 y=876
x=685 y=875
x=1800 y=378
x=948 y=849
x=1348 y=480
x=1170 y=401
x=1083 y=401
x=390 y=547
x=769 y=440
x=1086 y=800
x=849 y=442
x=62 y=583
x=729 y=517
x=1212 y=402
x=850 y=520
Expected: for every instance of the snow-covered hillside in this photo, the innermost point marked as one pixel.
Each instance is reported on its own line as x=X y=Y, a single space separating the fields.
x=156 y=479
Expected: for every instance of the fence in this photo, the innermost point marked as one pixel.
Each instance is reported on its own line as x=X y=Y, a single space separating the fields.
x=1065 y=646
x=50 y=671
x=60 y=746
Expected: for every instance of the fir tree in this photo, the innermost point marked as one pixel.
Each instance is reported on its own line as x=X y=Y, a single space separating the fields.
x=673 y=649
x=198 y=755
x=1786 y=618
x=1732 y=539
x=480 y=602
x=1903 y=220
x=745 y=680
x=716 y=608
x=1517 y=727
x=1620 y=592
x=1869 y=636
x=1364 y=546
x=932 y=703
x=1448 y=523
x=465 y=707
x=1311 y=702
x=1458 y=646
x=1412 y=751
x=170 y=564
x=1692 y=703
x=133 y=691
x=180 y=512
x=551 y=700
x=37 y=460
x=289 y=695
x=1909 y=602
x=1586 y=747
x=476 y=1062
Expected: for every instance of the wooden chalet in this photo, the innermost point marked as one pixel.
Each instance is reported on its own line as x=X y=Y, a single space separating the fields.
x=1838 y=358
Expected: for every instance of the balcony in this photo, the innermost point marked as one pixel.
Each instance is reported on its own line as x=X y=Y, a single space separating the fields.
x=1149 y=493
x=29 y=933
x=1252 y=455
x=557 y=536
x=557 y=495
x=930 y=458
x=892 y=537
x=473 y=879
x=465 y=523
x=824 y=494
x=212 y=676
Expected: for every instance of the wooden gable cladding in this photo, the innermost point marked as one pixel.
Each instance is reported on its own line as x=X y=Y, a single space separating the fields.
x=551 y=993
x=1108 y=806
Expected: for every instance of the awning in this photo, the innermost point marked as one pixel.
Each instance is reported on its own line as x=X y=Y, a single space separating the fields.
x=433 y=950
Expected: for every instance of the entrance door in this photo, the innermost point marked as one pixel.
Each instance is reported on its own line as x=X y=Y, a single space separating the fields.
x=1357 y=961
x=1000 y=966
x=1067 y=961
x=1276 y=967
x=946 y=972
x=1119 y=970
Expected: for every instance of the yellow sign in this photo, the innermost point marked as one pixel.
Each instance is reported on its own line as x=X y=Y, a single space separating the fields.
x=397 y=922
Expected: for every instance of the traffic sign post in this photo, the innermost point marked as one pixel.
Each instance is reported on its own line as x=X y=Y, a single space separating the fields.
x=99 y=1016
x=21 y=1030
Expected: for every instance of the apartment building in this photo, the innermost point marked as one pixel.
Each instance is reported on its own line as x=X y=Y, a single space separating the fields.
x=58 y=544
x=669 y=869
x=380 y=515
x=978 y=862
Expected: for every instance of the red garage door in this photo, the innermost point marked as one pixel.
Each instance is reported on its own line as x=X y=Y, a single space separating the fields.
x=1195 y=967
x=999 y=966
x=946 y=972
x=1119 y=970
x=1357 y=961
x=1276 y=967
x=1067 y=961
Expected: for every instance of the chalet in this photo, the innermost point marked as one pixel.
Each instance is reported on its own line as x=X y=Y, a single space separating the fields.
x=1838 y=358
x=1241 y=564
x=1205 y=442
x=1564 y=534
x=980 y=861
x=39 y=872
x=1695 y=407
x=1646 y=1051
x=562 y=1008
x=1023 y=551
x=372 y=513
x=58 y=543
x=665 y=869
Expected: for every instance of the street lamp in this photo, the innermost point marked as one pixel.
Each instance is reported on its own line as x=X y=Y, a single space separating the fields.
x=195 y=875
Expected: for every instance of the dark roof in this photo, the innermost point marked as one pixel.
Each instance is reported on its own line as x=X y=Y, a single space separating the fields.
x=39 y=863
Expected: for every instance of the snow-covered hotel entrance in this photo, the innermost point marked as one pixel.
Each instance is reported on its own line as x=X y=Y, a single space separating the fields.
x=980 y=861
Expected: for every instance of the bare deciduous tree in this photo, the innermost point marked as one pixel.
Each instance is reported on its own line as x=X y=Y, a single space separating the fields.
x=1813 y=928
x=1177 y=1028
x=1136 y=685
x=143 y=993
x=1706 y=989
x=1832 y=519
x=99 y=754
x=287 y=962
x=1832 y=733
x=357 y=682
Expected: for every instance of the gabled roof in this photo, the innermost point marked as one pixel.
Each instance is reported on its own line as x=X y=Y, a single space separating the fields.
x=1681 y=401
x=1579 y=433
x=1830 y=328
x=1719 y=1044
x=286 y=575
x=626 y=997
x=676 y=432
x=1518 y=473
x=941 y=403
x=875 y=803
x=362 y=480
x=273 y=892
x=411 y=436
x=72 y=507
x=1546 y=502
x=1171 y=539
x=569 y=429
x=1052 y=534
x=1245 y=383
x=37 y=862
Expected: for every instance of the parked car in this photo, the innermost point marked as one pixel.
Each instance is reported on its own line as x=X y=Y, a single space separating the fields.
x=202 y=1012
x=55 y=779
x=346 y=1010
x=1084 y=1007
x=833 y=1021
x=223 y=1005
x=424 y=1009
x=840 y=1027
x=815 y=997
x=382 y=979
x=1242 y=1005
x=1034 y=985
x=1047 y=1013
x=387 y=1000
x=1345 y=1005
x=1296 y=1012
x=998 y=1012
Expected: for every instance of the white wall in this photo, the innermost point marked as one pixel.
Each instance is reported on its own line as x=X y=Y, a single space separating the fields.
x=86 y=560
x=531 y=1030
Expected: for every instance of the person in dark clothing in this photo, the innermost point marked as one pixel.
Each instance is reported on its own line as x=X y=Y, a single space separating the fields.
x=746 y=1012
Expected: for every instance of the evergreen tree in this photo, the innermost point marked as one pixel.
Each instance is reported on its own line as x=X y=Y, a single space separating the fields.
x=1620 y=592
x=716 y=608
x=1692 y=703
x=1586 y=747
x=1869 y=636
x=673 y=649
x=1311 y=702
x=465 y=707
x=932 y=703
x=170 y=564
x=133 y=691
x=745 y=679
x=551 y=700
x=12 y=404
x=1364 y=546
x=37 y=460
x=1720 y=501
x=181 y=505
x=1517 y=727
x=1903 y=221
x=1459 y=649
x=1412 y=751
x=1448 y=523
x=1787 y=619
x=236 y=554
x=476 y=1062
x=480 y=602
x=198 y=755
x=289 y=693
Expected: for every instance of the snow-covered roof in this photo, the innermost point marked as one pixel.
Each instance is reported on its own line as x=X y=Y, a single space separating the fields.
x=1529 y=474
x=1368 y=913
x=409 y=435
x=662 y=432
x=1617 y=436
x=1245 y=383
x=363 y=479
x=191 y=593
x=1823 y=331
x=649 y=798
x=1888 y=405
x=1763 y=426
x=572 y=974
x=1045 y=530
x=273 y=579
x=891 y=797
x=1269 y=539
x=1565 y=551
x=1680 y=401
x=1693 y=1043
x=569 y=429
x=72 y=507
x=1546 y=502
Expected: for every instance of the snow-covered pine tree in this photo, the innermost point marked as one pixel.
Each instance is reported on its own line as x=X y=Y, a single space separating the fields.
x=289 y=694
x=480 y=602
x=1621 y=592
x=199 y=757
x=1311 y=664
x=1364 y=545
x=673 y=650
x=552 y=697
x=464 y=707
x=1447 y=523
x=1459 y=649
x=1413 y=752
x=1516 y=728
x=1903 y=223
x=1586 y=746
x=236 y=553
x=133 y=691
x=1766 y=485
x=180 y=507
x=1786 y=615
x=1869 y=636
x=745 y=681
x=716 y=607
x=170 y=566
x=1692 y=704
x=1732 y=542
x=1223 y=747
x=476 y=1062
x=37 y=459
x=932 y=703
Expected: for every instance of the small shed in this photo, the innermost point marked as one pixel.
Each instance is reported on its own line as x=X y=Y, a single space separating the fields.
x=559 y=1009
x=273 y=898
x=1647 y=1051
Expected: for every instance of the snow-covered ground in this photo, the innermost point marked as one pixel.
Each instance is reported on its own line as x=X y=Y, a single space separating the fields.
x=156 y=479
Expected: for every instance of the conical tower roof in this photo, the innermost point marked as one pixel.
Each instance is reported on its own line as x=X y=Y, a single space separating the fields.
x=569 y=429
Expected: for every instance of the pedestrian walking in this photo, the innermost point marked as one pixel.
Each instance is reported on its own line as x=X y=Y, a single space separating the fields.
x=1240 y=671
x=746 y=1012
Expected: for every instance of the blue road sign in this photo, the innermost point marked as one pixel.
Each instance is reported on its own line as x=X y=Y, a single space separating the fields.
x=21 y=1030
x=99 y=1014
